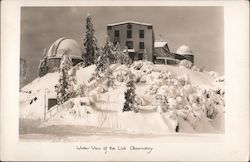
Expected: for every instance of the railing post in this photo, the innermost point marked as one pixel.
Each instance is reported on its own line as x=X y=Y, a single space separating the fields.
x=44 y=104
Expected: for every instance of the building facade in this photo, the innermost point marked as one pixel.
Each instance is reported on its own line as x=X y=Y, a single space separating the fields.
x=163 y=54
x=137 y=37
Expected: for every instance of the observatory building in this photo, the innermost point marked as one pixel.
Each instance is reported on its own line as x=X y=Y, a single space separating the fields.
x=185 y=51
x=164 y=56
x=137 y=37
x=61 y=46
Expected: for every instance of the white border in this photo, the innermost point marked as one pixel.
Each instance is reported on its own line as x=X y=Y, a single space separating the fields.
x=234 y=145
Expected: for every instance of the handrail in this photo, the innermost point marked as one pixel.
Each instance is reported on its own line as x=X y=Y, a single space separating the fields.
x=52 y=113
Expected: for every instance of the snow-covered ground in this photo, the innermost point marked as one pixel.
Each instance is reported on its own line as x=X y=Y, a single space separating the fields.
x=169 y=98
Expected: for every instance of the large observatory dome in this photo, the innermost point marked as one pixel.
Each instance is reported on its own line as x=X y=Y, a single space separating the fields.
x=63 y=44
x=184 y=50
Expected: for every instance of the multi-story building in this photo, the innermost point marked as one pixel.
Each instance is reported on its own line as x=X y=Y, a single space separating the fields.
x=137 y=37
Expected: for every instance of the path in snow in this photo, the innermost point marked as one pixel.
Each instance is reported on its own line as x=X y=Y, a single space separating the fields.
x=109 y=116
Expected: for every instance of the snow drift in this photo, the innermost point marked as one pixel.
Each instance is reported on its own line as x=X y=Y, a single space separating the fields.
x=168 y=98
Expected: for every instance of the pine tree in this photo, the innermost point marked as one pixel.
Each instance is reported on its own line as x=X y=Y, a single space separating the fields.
x=81 y=90
x=110 y=78
x=101 y=64
x=108 y=49
x=120 y=55
x=90 y=43
x=126 y=57
x=66 y=62
x=129 y=104
x=64 y=89
x=106 y=56
x=43 y=67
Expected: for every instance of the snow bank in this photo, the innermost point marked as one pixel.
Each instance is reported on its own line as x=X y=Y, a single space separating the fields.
x=84 y=75
x=144 y=123
x=202 y=79
x=186 y=64
x=32 y=96
x=189 y=99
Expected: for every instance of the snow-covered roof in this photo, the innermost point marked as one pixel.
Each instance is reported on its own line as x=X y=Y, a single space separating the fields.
x=160 y=44
x=129 y=50
x=184 y=50
x=131 y=22
x=63 y=44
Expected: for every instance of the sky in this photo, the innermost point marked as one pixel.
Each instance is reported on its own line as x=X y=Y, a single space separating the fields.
x=200 y=28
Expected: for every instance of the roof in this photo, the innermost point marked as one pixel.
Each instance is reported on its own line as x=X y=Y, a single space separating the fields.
x=62 y=45
x=130 y=22
x=184 y=50
x=160 y=44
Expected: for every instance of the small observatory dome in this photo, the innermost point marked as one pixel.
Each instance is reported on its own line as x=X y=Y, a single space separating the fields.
x=59 y=47
x=63 y=44
x=184 y=50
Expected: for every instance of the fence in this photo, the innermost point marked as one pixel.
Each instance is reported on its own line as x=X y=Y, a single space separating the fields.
x=51 y=112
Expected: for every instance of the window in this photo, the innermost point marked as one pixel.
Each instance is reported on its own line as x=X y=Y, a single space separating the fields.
x=117 y=34
x=129 y=33
x=140 y=56
x=150 y=27
x=141 y=33
x=141 y=45
x=129 y=44
x=129 y=26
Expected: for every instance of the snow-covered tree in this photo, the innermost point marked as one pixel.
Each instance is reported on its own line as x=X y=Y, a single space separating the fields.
x=121 y=57
x=119 y=54
x=64 y=88
x=72 y=75
x=129 y=104
x=160 y=103
x=24 y=72
x=108 y=49
x=127 y=60
x=43 y=67
x=66 y=62
x=106 y=57
x=102 y=63
x=145 y=55
x=90 y=43
x=186 y=63
x=81 y=90
x=110 y=78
